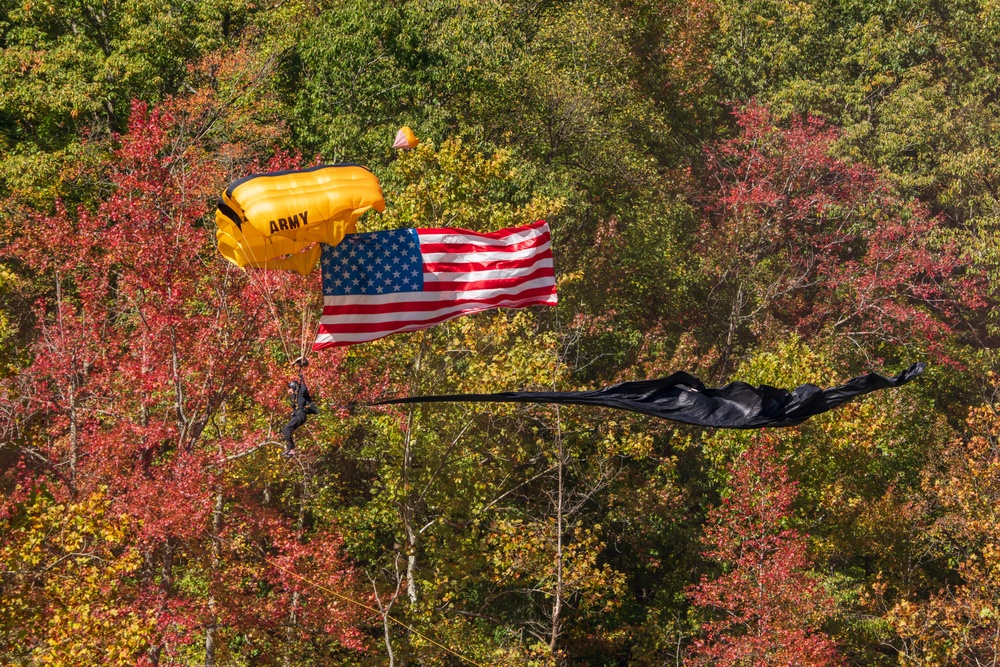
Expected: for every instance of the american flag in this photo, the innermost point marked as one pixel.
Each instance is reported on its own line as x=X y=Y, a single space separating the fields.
x=382 y=283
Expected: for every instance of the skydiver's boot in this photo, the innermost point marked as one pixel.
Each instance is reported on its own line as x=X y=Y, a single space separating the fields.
x=297 y=420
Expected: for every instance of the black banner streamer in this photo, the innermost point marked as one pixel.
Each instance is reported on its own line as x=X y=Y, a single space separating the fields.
x=683 y=398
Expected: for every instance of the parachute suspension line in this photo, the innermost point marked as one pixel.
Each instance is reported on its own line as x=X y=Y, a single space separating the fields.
x=269 y=298
x=304 y=335
x=341 y=596
x=266 y=291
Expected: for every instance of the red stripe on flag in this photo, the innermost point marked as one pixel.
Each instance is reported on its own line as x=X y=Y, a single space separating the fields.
x=458 y=286
x=393 y=325
x=354 y=337
x=472 y=248
x=461 y=267
x=498 y=234
x=430 y=306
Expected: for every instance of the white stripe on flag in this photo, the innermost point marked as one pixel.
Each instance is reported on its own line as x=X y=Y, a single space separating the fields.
x=485 y=256
x=344 y=318
x=407 y=297
x=474 y=276
x=334 y=339
x=479 y=239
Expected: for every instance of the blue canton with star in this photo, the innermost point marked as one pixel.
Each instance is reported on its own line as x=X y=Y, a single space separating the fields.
x=374 y=263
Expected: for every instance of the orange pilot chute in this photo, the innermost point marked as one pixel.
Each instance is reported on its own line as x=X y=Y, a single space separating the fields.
x=405 y=138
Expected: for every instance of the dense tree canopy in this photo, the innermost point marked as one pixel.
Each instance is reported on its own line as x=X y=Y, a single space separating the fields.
x=767 y=191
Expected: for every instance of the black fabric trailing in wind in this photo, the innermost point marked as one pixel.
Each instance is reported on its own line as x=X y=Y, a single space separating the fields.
x=683 y=398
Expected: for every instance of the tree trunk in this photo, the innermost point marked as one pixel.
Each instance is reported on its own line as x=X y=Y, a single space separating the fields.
x=166 y=582
x=407 y=511
x=212 y=629
x=293 y=612
x=557 y=604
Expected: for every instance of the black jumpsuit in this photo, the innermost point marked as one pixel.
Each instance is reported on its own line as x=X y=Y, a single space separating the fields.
x=302 y=405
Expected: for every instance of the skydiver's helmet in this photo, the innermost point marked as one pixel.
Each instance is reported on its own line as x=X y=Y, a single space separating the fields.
x=294 y=384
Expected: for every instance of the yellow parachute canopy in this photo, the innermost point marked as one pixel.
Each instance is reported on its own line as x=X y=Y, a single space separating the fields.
x=277 y=220
x=405 y=138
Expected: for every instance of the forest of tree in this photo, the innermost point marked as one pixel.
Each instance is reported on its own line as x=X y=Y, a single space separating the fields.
x=772 y=191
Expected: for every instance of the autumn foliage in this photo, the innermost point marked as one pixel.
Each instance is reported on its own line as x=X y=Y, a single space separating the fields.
x=127 y=461
x=958 y=624
x=777 y=193
x=823 y=245
x=766 y=608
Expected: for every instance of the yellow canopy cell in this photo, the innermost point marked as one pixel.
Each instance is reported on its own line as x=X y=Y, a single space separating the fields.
x=277 y=220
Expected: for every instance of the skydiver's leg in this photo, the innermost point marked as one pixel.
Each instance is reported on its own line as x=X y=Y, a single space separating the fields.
x=297 y=420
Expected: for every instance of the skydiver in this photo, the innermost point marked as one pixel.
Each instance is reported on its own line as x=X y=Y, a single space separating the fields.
x=302 y=405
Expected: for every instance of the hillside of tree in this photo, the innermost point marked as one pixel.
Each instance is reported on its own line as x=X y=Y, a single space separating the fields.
x=760 y=190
